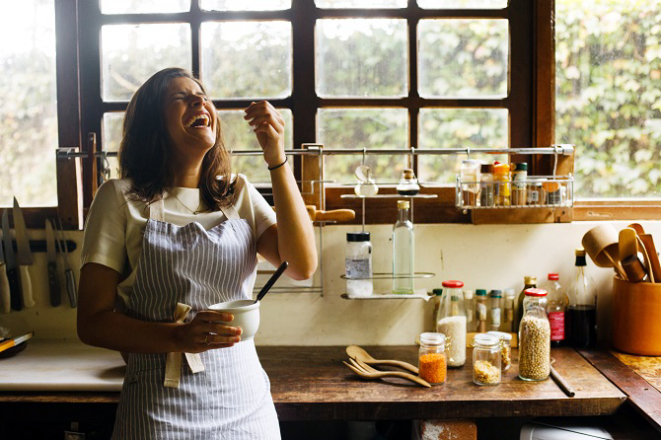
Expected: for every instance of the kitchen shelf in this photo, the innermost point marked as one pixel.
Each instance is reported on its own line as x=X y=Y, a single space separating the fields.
x=418 y=294
x=390 y=196
x=391 y=276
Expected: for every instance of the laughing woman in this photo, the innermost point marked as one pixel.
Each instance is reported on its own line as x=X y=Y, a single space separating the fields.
x=176 y=234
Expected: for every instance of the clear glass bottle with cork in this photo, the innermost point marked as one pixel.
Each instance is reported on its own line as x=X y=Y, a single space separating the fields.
x=403 y=250
x=452 y=322
x=408 y=183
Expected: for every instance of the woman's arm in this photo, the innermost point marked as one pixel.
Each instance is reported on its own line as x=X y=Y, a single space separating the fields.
x=292 y=239
x=101 y=326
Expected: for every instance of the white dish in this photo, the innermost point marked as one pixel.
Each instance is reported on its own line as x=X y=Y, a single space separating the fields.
x=246 y=316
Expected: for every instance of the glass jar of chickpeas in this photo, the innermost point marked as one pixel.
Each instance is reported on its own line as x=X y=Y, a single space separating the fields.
x=534 y=337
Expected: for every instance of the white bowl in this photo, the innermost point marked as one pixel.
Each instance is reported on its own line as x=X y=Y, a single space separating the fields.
x=246 y=316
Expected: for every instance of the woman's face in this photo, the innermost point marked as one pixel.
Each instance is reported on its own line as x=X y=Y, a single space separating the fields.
x=190 y=118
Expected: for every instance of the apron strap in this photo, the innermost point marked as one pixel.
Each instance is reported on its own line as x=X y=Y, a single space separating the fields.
x=230 y=212
x=173 y=360
x=157 y=210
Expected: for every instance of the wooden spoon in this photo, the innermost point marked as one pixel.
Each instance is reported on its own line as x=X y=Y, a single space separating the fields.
x=355 y=352
x=628 y=253
x=375 y=374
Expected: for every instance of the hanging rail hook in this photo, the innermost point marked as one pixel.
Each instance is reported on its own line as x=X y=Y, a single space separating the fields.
x=468 y=152
x=555 y=159
x=364 y=153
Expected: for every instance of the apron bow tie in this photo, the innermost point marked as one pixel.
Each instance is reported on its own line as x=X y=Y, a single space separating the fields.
x=173 y=362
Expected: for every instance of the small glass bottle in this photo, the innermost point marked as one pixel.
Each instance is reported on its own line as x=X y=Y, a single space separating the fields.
x=519 y=177
x=508 y=319
x=486 y=359
x=453 y=322
x=557 y=303
x=403 y=250
x=502 y=184
x=534 y=337
x=495 y=312
x=528 y=283
x=470 y=310
x=581 y=315
x=432 y=365
x=358 y=264
x=481 y=310
x=408 y=184
x=470 y=182
x=505 y=349
x=436 y=298
x=486 y=185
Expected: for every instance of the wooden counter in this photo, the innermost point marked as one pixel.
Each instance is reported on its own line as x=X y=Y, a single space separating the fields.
x=311 y=383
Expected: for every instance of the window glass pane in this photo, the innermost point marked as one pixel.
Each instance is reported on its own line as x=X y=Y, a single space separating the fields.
x=28 y=114
x=245 y=5
x=462 y=4
x=130 y=54
x=463 y=58
x=459 y=128
x=238 y=135
x=112 y=136
x=364 y=4
x=144 y=6
x=608 y=99
x=247 y=59
x=371 y=128
x=361 y=58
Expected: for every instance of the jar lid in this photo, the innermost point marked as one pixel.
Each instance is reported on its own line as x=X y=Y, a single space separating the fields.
x=407 y=173
x=501 y=168
x=468 y=294
x=579 y=252
x=554 y=276
x=432 y=338
x=529 y=280
x=486 y=168
x=437 y=292
x=521 y=166
x=453 y=284
x=535 y=292
x=358 y=236
x=403 y=204
x=502 y=335
x=481 y=292
x=510 y=293
x=485 y=339
x=496 y=294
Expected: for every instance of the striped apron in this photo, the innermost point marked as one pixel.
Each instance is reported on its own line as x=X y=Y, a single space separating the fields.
x=230 y=399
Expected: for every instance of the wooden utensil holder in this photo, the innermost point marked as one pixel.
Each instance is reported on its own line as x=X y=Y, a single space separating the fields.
x=637 y=317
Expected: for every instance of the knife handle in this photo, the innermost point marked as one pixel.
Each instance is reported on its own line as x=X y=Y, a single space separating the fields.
x=28 y=301
x=5 y=294
x=15 y=289
x=54 y=285
x=71 y=287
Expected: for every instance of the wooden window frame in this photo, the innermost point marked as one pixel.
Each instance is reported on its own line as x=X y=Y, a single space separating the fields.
x=531 y=100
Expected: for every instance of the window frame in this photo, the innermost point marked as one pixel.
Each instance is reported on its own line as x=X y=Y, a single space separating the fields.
x=531 y=100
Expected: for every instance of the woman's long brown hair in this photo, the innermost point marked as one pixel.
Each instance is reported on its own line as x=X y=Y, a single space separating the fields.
x=144 y=152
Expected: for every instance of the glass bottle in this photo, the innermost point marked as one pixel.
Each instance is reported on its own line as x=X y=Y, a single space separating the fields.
x=470 y=182
x=528 y=283
x=557 y=302
x=505 y=349
x=502 y=184
x=358 y=264
x=453 y=322
x=437 y=295
x=508 y=319
x=486 y=185
x=470 y=310
x=519 y=177
x=402 y=250
x=486 y=359
x=408 y=184
x=495 y=297
x=432 y=365
x=581 y=315
x=481 y=310
x=534 y=337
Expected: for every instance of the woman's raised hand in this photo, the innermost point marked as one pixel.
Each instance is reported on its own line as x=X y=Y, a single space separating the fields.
x=269 y=126
x=205 y=332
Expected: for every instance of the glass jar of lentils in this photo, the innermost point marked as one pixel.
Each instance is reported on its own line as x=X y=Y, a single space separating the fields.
x=534 y=337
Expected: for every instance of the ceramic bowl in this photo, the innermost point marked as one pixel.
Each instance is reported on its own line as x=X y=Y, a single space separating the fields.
x=246 y=316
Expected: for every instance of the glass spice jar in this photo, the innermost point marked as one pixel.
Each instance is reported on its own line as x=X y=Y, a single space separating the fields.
x=432 y=365
x=486 y=359
x=534 y=337
x=505 y=349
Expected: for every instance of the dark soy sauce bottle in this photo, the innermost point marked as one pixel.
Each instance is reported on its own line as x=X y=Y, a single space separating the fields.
x=581 y=315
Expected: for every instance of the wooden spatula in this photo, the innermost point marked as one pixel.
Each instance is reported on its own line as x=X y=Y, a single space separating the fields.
x=628 y=253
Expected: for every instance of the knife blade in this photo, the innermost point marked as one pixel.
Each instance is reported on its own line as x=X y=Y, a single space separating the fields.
x=68 y=273
x=5 y=294
x=12 y=269
x=24 y=254
x=53 y=278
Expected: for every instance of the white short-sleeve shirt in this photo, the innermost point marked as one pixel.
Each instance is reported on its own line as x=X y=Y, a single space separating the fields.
x=115 y=224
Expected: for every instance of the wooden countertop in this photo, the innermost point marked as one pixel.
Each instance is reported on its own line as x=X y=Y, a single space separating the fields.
x=311 y=383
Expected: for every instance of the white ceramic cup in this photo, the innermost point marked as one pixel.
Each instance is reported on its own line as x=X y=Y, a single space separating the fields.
x=246 y=316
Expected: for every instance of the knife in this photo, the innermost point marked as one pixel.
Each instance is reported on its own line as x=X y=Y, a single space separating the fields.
x=68 y=273
x=12 y=270
x=5 y=294
x=24 y=256
x=53 y=279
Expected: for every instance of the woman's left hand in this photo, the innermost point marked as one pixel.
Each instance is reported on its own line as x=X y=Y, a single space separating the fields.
x=269 y=126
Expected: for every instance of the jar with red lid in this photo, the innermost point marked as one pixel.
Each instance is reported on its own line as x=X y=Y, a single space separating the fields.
x=534 y=337
x=451 y=321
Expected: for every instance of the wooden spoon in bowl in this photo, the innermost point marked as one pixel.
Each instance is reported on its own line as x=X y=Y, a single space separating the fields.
x=355 y=352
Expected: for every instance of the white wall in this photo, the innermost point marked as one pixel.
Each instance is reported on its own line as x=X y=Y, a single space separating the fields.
x=486 y=256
